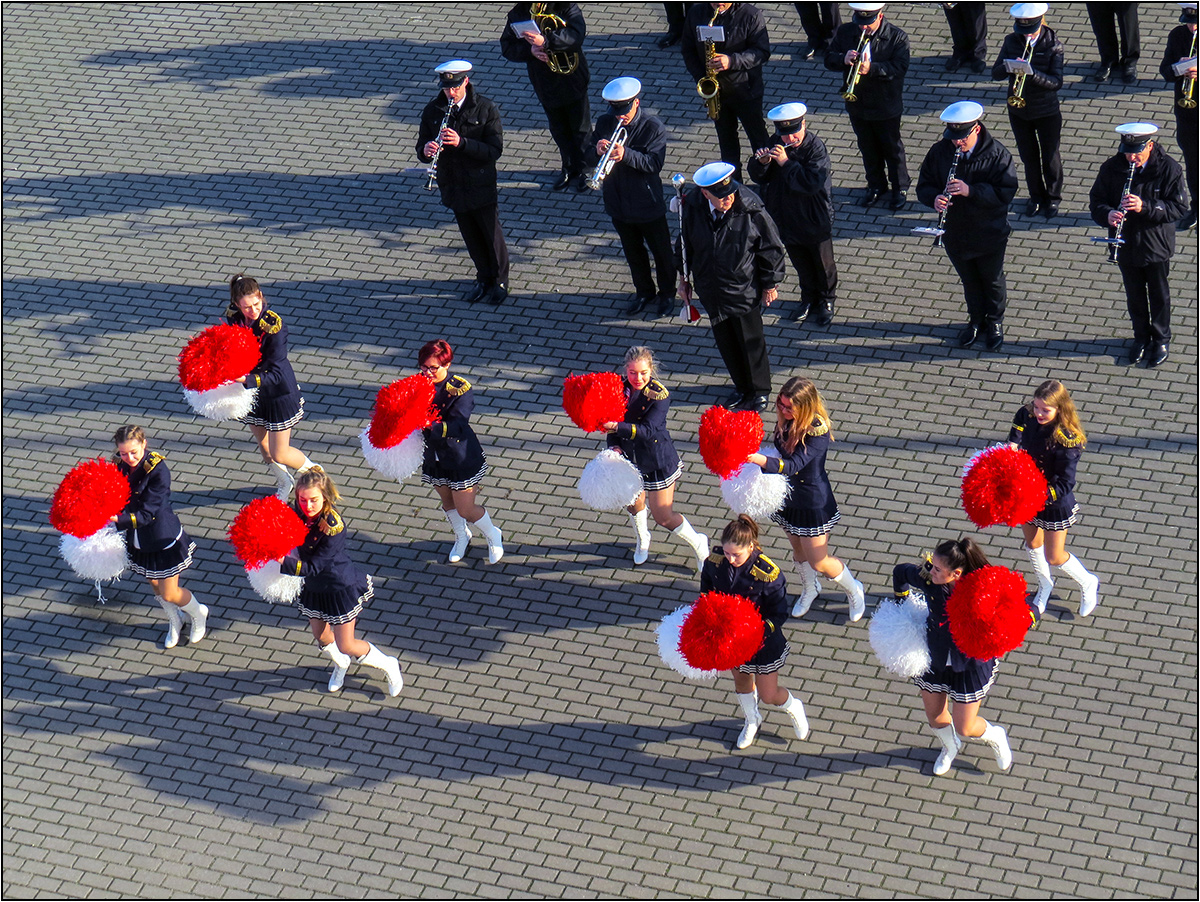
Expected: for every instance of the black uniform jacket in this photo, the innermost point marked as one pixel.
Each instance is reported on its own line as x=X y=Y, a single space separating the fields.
x=452 y=443
x=322 y=559
x=1179 y=42
x=978 y=223
x=746 y=44
x=552 y=90
x=804 y=466
x=643 y=436
x=1057 y=458
x=937 y=626
x=881 y=91
x=732 y=262
x=633 y=190
x=798 y=194
x=148 y=521
x=759 y=579
x=467 y=173
x=273 y=377
x=1149 y=235
x=1041 y=87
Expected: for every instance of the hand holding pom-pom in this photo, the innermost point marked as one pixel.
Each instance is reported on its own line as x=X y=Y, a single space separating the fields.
x=87 y=499
x=755 y=493
x=727 y=438
x=897 y=633
x=209 y=366
x=593 y=399
x=609 y=482
x=720 y=632
x=265 y=530
x=1002 y=484
x=393 y=443
x=987 y=612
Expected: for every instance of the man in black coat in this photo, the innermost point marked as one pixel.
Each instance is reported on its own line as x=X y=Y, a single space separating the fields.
x=633 y=191
x=1034 y=113
x=1181 y=46
x=731 y=252
x=879 y=98
x=466 y=150
x=976 y=203
x=1106 y=19
x=737 y=66
x=797 y=188
x=1146 y=217
x=968 y=36
x=563 y=94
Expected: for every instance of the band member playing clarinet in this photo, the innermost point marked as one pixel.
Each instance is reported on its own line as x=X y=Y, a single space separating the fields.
x=1181 y=47
x=976 y=205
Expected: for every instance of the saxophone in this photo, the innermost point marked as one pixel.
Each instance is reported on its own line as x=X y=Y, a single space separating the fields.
x=708 y=87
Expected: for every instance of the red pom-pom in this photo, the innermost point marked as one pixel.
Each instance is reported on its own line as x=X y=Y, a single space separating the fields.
x=88 y=496
x=721 y=632
x=988 y=614
x=1003 y=485
x=218 y=355
x=265 y=530
x=728 y=437
x=401 y=409
x=593 y=399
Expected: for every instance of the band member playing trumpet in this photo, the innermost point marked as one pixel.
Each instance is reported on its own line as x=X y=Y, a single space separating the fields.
x=872 y=55
x=1146 y=212
x=1033 y=104
x=797 y=187
x=976 y=202
x=736 y=64
x=467 y=148
x=1181 y=46
x=635 y=144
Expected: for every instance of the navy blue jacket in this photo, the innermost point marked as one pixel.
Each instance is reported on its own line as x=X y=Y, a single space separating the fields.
x=551 y=89
x=273 y=377
x=1041 y=87
x=633 y=190
x=1057 y=459
x=798 y=194
x=880 y=92
x=1149 y=235
x=322 y=559
x=937 y=626
x=643 y=436
x=148 y=521
x=452 y=443
x=805 y=469
x=759 y=579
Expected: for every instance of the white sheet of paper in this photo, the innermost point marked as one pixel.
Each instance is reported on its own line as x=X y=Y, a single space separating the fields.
x=710 y=33
x=1182 y=67
x=1017 y=67
x=519 y=28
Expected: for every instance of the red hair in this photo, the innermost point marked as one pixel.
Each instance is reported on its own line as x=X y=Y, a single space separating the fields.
x=439 y=350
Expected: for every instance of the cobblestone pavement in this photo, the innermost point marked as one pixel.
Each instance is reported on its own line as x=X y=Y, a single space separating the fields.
x=539 y=746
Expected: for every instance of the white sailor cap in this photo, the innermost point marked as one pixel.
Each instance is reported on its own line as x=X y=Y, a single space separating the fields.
x=1136 y=135
x=788 y=117
x=621 y=92
x=1187 y=15
x=866 y=13
x=960 y=118
x=452 y=73
x=1028 y=16
x=717 y=178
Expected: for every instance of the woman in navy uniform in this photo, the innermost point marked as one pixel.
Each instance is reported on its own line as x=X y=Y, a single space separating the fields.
x=741 y=568
x=643 y=438
x=803 y=434
x=1048 y=428
x=454 y=460
x=157 y=545
x=334 y=590
x=279 y=406
x=952 y=676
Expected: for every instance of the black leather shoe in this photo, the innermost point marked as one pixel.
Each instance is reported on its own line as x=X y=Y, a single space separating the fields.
x=1129 y=73
x=968 y=336
x=807 y=52
x=823 y=315
x=732 y=402
x=1188 y=221
x=993 y=336
x=1031 y=207
x=978 y=65
x=580 y=182
x=665 y=302
x=638 y=304
x=1156 y=353
x=670 y=39
x=1137 y=352
x=953 y=64
x=1103 y=72
x=1050 y=210
x=799 y=313
x=869 y=198
x=564 y=179
x=498 y=294
x=897 y=201
x=478 y=290
x=757 y=403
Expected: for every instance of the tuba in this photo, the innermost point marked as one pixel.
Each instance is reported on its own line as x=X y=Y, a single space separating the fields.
x=855 y=72
x=1016 y=97
x=1187 y=96
x=708 y=87
x=561 y=62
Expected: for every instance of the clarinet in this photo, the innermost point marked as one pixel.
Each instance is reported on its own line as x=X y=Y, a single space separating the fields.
x=1114 y=243
x=940 y=229
x=431 y=172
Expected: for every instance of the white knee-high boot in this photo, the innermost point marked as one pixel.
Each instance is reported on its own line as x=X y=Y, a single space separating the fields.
x=174 y=623
x=462 y=536
x=306 y=466
x=341 y=663
x=854 y=593
x=283 y=480
x=1089 y=585
x=1037 y=557
x=749 y=703
x=794 y=708
x=494 y=539
x=389 y=665
x=199 y=617
x=641 y=530
x=810 y=588
x=995 y=737
x=951 y=745
x=697 y=541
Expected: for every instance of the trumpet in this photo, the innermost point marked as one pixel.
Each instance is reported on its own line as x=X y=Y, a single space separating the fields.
x=1114 y=243
x=1187 y=99
x=1016 y=96
x=940 y=229
x=604 y=167
x=431 y=172
x=855 y=73
x=561 y=62
x=708 y=87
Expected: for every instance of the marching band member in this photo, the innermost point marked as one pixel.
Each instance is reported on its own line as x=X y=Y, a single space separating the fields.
x=1034 y=113
x=968 y=34
x=1181 y=46
x=562 y=94
x=875 y=113
x=633 y=194
x=466 y=149
x=797 y=187
x=158 y=547
x=279 y=406
x=1147 y=215
x=737 y=66
x=735 y=254
x=977 y=226
x=820 y=21
x=1106 y=19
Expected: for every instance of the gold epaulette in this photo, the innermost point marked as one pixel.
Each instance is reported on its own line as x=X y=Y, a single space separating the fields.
x=765 y=570
x=269 y=323
x=1067 y=439
x=151 y=460
x=717 y=556
x=332 y=524
x=232 y=310
x=655 y=391
x=818 y=427
x=456 y=386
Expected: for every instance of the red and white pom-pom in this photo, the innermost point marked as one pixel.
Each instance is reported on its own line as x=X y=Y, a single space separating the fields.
x=1002 y=484
x=593 y=399
x=89 y=496
x=689 y=313
x=210 y=362
x=99 y=558
x=265 y=530
x=275 y=587
x=668 y=633
x=609 y=482
x=755 y=493
x=898 y=637
x=720 y=632
x=727 y=438
x=393 y=443
x=987 y=612
x=397 y=462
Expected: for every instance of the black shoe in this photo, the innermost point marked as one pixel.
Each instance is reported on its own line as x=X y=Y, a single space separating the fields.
x=897 y=201
x=497 y=294
x=733 y=401
x=666 y=301
x=757 y=403
x=993 y=336
x=580 y=182
x=978 y=65
x=638 y=304
x=870 y=197
x=807 y=52
x=1103 y=72
x=953 y=64
x=1031 y=207
x=799 y=313
x=1156 y=353
x=1129 y=73
x=564 y=179
x=968 y=336
x=1137 y=351
x=1050 y=210
x=1188 y=221
x=670 y=39
x=823 y=315
x=478 y=290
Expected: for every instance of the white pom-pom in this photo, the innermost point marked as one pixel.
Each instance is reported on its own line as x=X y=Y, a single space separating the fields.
x=275 y=587
x=897 y=634
x=99 y=557
x=609 y=482
x=399 y=461
x=978 y=454
x=668 y=632
x=751 y=491
x=228 y=401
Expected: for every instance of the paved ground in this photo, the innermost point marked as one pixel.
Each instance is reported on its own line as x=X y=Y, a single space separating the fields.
x=540 y=748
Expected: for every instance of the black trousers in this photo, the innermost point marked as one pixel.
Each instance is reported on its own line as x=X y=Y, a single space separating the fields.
x=1037 y=144
x=570 y=126
x=1149 y=298
x=743 y=347
x=882 y=152
x=968 y=30
x=485 y=243
x=676 y=13
x=1188 y=136
x=983 y=286
x=816 y=271
x=1105 y=19
x=656 y=235
x=820 y=21
x=749 y=112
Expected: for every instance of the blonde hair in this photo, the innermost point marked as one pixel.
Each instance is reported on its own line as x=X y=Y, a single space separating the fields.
x=1067 y=428
x=808 y=408
x=641 y=352
x=127 y=434
x=316 y=478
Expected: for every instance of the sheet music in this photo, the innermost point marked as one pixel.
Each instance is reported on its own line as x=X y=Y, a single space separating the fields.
x=1018 y=67
x=1182 y=66
x=710 y=33
x=519 y=28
